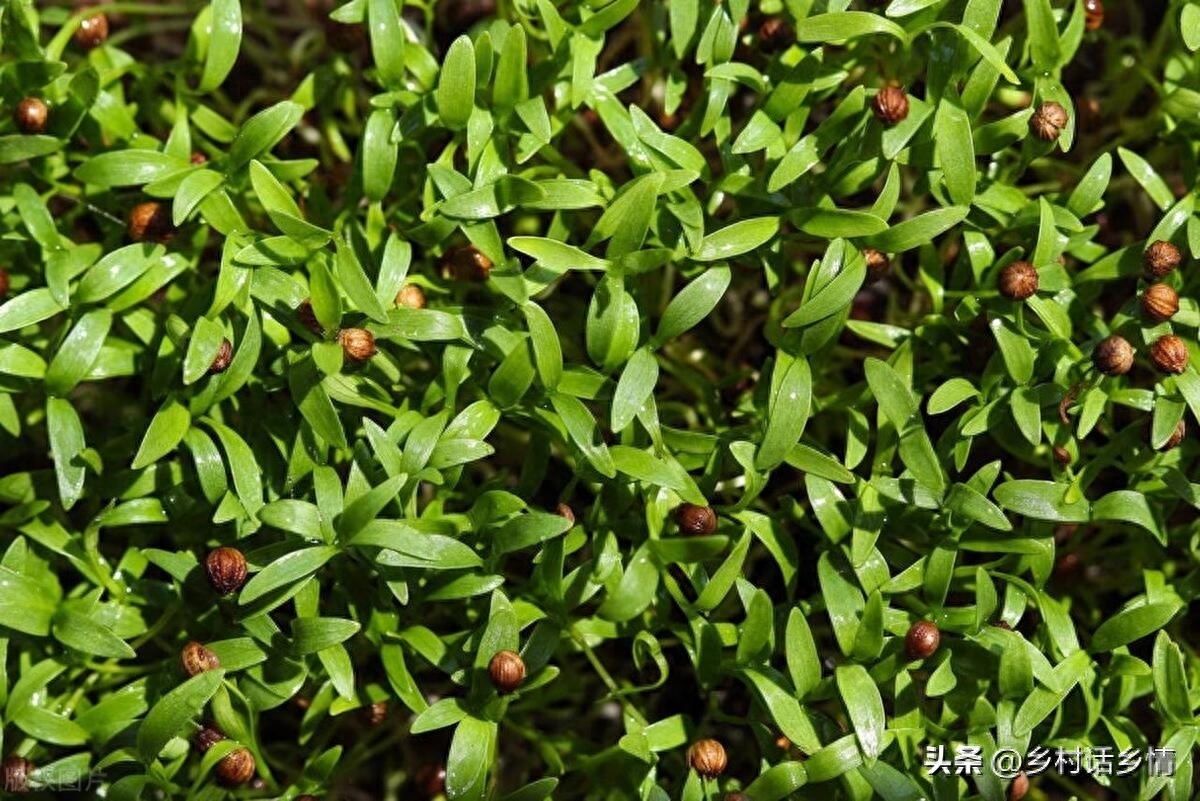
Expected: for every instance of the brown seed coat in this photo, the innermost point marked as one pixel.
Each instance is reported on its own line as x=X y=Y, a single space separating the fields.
x=877 y=263
x=1160 y=302
x=1169 y=354
x=226 y=568
x=151 y=222
x=467 y=263
x=890 y=105
x=208 y=736
x=31 y=115
x=223 y=358
x=1019 y=787
x=411 y=296
x=1018 y=281
x=1048 y=121
x=16 y=773
x=1176 y=437
x=1161 y=258
x=708 y=758
x=92 y=31
x=358 y=344
x=236 y=769
x=197 y=659
x=1113 y=355
x=696 y=521
x=922 y=640
x=506 y=670
x=308 y=318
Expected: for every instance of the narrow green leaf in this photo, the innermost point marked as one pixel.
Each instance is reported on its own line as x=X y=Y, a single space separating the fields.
x=78 y=352
x=388 y=41
x=456 y=84
x=1043 y=35
x=287 y=569
x=66 y=445
x=168 y=428
x=223 y=43
x=262 y=132
x=511 y=84
x=357 y=285
x=861 y=696
x=919 y=230
x=803 y=662
x=547 y=352
x=172 y=712
x=693 y=303
x=132 y=167
x=843 y=25
x=738 y=238
x=379 y=154
x=89 y=636
x=471 y=753
x=955 y=150
x=788 y=408
x=29 y=307
x=1132 y=624
x=635 y=386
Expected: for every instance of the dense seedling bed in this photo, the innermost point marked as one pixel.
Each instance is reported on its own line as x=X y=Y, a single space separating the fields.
x=599 y=399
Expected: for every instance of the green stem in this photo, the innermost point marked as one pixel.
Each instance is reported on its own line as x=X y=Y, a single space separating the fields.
x=607 y=678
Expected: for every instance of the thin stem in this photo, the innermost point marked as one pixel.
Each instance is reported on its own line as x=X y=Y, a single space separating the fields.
x=607 y=678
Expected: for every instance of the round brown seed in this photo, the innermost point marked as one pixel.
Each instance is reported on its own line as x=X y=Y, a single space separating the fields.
x=707 y=757
x=1176 y=437
x=358 y=344
x=1062 y=455
x=196 y=659
x=1049 y=119
x=922 y=640
x=1161 y=258
x=16 y=773
x=890 y=105
x=236 y=769
x=92 y=31
x=226 y=568
x=308 y=318
x=1170 y=354
x=1113 y=355
x=151 y=222
x=1018 y=280
x=1019 y=787
x=696 y=521
x=506 y=670
x=877 y=263
x=31 y=115
x=1160 y=302
x=1093 y=14
x=208 y=736
x=411 y=296
x=467 y=263
x=563 y=510
x=223 y=358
